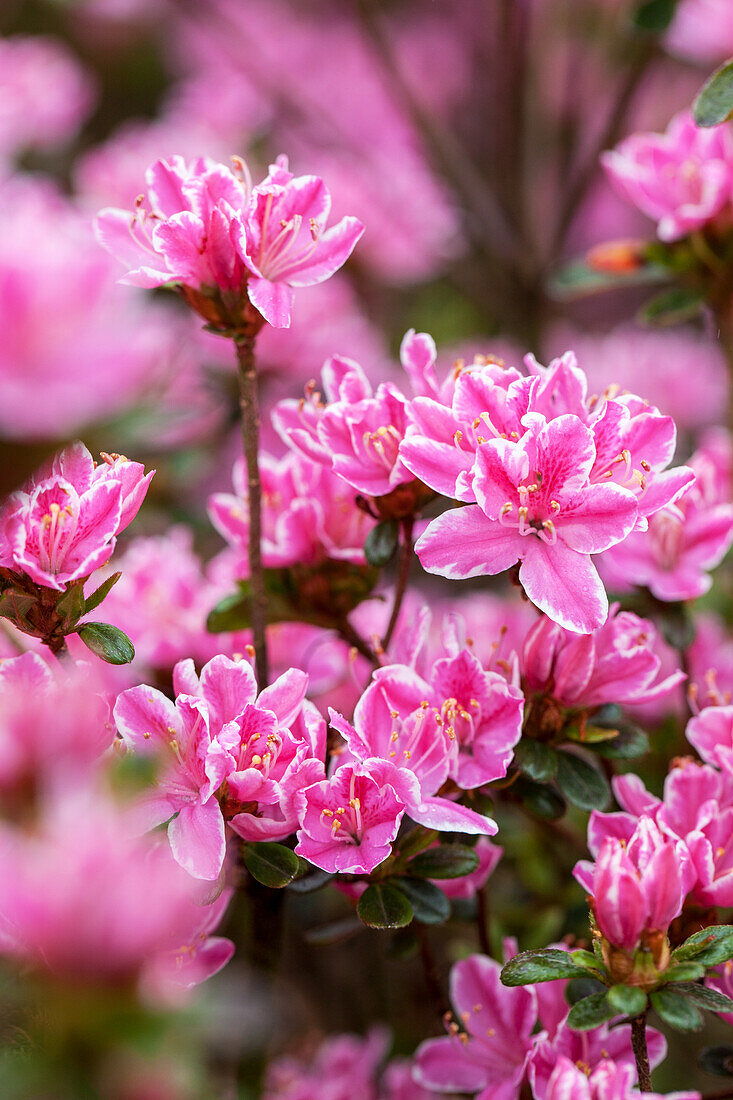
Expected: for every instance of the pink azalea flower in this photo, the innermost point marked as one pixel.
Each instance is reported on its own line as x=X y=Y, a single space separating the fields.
x=135 y=905
x=212 y=734
x=489 y=1052
x=702 y=30
x=685 y=540
x=608 y=1081
x=710 y=659
x=617 y=663
x=636 y=887
x=398 y=1083
x=309 y=514
x=711 y=733
x=489 y=855
x=681 y=179
x=205 y=228
x=462 y=725
x=283 y=241
x=348 y=822
x=171 y=974
x=721 y=978
x=359 y=432
x=536 y=505
x=599 y=1047
x=64 y=524
x=344 y=1067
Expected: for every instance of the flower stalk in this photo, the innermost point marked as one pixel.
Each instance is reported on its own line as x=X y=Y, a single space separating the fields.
x=641 y=1054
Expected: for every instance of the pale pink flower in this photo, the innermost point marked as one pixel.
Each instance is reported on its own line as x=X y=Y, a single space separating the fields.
x=398 y=1083
x=710 y=660
x=30 y=118
x=702 y=30
x=721 y=978
x=618 y=663
x=283 y=241
x=88 y=902
x=171 y=974
x=636 y=887
x=63 y=524
x=348 y=822
x=309 y=514
x=685 y=539
x=595 y=1049
x=344 y=1067
x=681 y=179
x=536 y=505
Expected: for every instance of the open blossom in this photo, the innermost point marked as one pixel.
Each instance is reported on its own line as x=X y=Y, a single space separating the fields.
x=461 y=725
x=359 y=431
x=681 y=179
x=309 y=514
x=634 y=444
x=494 y=1047
x=348 y=822
x=344 y=1067
x=536 y=505
x=618 y=663
x=63 y=524
x=711 y=733
x=172 y=973
x=206 y=228
x=685 y=539
x=637 y=886
x=135 y=906
x=220 y=730
x=608 y=1081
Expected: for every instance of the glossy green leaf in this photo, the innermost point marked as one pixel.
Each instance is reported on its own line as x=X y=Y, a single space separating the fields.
x=714 y=102
x=383 y=906
x=701 y=995
x=628 y=1000
x=108 y=642
x=100 y=593
x=709 y=946
x=581 y=783
x=429 y=904
x=675 y=1010
x=273 y=865
x=381 y=542
x=446 y=861
x=546 y=965
x=590 y=1012
x=536 y=759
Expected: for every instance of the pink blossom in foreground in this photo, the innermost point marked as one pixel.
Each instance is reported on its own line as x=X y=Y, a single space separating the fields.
x=494 y=1047
x=721 y=978
x=348 y=822
x=633 y=443
x=636 y=887
x=142 y=905
x=220 y=730
x=309 y=514
x=207 y=229
x=170 y=975
x=32 y=119
x=536 y=505
x=711 y=733
x=344 y=1067
x=63 y=524
x=681 y=179
x=608 y=1081
x=618 y=663
x=461 y=725
x=358 y=432
x=685 y=540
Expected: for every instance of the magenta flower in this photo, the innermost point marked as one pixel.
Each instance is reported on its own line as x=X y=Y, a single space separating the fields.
x=206 y=229
x=282 y=239
x=348 y=822
x=344 y=1066
x=309 y=514
x=608 y=1081
x=681 y=179
x=711 y=733
x=618 y=663
x=359 y=432
x=536 y=505
x=636 y=887
x=685 y=540
x=63 y=524
x=171 y=974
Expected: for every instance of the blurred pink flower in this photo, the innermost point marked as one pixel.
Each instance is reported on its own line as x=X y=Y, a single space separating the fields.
x=681 y=178
x=64 y=524
x=702 y=30
x=344 y=1067
x=608 y=1081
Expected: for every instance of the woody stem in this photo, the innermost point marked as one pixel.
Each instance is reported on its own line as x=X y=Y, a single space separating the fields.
x=248 y=403
x=641 y=1054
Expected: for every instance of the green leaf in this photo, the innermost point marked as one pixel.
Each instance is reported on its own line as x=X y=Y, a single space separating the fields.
x=717 y=1060
x=709 y=946
x=587 y=960
x=15 y=605
x=100 y=593
x=685 y=972
x=714 y=101
x=108 y=642
x=540 y=800
x=628 y=1000
x=429 y=903
x=578 y=279
x=671 y=307
x=546 y=965
x=312 y=880
x=71 y=606
x=578 y=989
x=273 y=865
x=537 y=760
x=232 y=613
x=675 y=1010
x=590 y=1012
x=654 y=16
x=383 y=906
x=447 y=861
x=581 y=783
x=590 y=735
x=709 y=999
x=381 y=542
x=630 y=743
